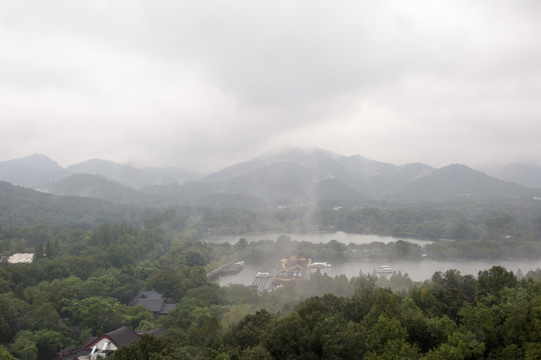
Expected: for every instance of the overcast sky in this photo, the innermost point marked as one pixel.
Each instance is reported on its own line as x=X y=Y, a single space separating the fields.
x=205 y=84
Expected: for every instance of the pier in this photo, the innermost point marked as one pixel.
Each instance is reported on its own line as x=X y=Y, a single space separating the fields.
x=261 y=284
x=229 y=268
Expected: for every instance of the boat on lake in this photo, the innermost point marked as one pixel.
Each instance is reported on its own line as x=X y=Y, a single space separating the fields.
x=263 y=275
x=384 y=269
x=321 y=265
x=232 y=269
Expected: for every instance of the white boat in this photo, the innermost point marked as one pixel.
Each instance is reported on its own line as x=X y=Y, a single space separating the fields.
x=320 y=265
x=263 y=275
x=384 y=269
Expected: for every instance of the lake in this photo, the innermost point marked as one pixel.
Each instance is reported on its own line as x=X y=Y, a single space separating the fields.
x=316 y=238
x=418 y=270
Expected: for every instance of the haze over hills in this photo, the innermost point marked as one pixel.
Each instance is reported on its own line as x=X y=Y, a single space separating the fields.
x=39 y=171
x=31 y=171
x=21 y=206
x=290 y=177
x=523 y=173
x=131 y=176
x=459 y=181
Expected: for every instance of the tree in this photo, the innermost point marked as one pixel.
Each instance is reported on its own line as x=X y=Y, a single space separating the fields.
x=450 y=291
x=483 y=322
x=257 y=352
x=195 y=258
x=387 y=340
x=44 y=316
x=5 y=355
x=48 y=342
x=13 y=315
x=24 y=347
x=249 y=331
x=38 y=252
x=492 y=281
x=148 y=348
x=314 y=331
x=99 y=314
x=136 y=316
x=461 y=345
x=52 y=249
x=286 y=339
x=501 y=226
x=174 y=282
x=425 y=332
x=241 y=244
x=204 y=328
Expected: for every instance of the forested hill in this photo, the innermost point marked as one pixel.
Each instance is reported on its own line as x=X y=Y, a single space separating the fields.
x=297 y=177
x=292 y=177
x=456 y=182
x=22 y=207
x=38 y=171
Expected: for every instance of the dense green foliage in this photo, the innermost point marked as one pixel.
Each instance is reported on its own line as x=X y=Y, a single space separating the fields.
x=464 y=219
x=21 y=207
x=82 y=281
x=84 y=277
x=451 y=316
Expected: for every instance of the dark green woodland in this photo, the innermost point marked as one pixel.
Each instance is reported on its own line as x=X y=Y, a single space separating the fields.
x=92 y=255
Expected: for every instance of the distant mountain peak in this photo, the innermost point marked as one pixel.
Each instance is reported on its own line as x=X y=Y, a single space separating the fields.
x=30 y=171
x=296 y=175
x=34 y=160
x=456 y=168
x=296 y=152
x=526 y=173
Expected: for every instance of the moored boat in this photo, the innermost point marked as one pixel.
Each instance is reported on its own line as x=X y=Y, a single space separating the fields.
x=384 y=269
x=232 y=269
x=320 y=265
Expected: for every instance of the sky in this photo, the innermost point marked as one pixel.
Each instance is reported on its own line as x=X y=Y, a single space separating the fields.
x=205 y=84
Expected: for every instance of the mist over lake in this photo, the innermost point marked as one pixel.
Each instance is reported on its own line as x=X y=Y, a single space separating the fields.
x=316 y=238
x=417 y=270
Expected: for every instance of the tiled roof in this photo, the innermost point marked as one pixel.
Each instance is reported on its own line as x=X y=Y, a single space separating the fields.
x=75 y=354
x=154 y=305
x=89 y=341
x=152 y=294
x=123 y=336
x=153 y=301
x=167 y=308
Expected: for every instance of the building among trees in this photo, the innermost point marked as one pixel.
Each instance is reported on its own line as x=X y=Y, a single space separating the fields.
x=104 y=345
x=154 y=302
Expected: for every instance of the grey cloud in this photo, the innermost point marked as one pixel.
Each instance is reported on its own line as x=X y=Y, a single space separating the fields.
x=206 y=83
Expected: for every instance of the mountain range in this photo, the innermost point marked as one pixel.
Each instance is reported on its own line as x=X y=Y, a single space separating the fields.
x=289 y=177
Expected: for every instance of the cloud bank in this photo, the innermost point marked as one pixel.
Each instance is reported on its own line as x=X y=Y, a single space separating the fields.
x=203 y=85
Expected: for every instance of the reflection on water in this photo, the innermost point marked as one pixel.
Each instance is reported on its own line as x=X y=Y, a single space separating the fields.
x=417 y=270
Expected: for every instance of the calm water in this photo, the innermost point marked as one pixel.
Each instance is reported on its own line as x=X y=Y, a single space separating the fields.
x=417 y=270
x=315 y=238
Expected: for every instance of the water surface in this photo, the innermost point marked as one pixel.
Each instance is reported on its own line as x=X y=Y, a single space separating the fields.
x=416 y=270
x=316 y=238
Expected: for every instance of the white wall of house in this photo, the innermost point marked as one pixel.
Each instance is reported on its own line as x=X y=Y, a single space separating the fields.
x=100 y=345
